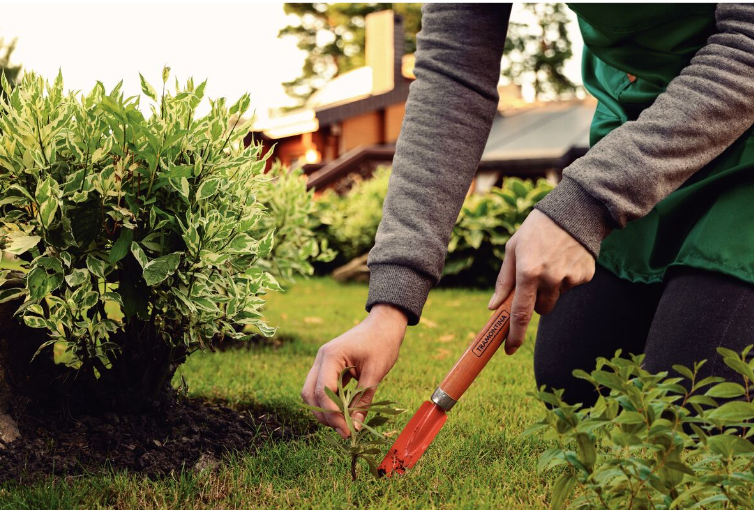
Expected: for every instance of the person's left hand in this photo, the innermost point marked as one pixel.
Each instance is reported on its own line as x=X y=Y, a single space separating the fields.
x=542 y=261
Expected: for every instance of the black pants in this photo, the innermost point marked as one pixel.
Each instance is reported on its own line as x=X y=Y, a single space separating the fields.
x=680 y=321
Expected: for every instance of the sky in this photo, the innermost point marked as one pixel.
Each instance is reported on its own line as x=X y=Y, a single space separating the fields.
x=234 y=45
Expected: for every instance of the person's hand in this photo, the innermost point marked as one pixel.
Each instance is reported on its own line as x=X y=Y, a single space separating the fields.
x=542 y=261
x=371 y=347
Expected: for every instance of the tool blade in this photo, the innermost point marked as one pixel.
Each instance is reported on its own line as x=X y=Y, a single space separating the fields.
x=414 y=439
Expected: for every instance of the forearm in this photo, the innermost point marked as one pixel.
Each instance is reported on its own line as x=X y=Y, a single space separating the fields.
x=702 y=112
x=449 y=112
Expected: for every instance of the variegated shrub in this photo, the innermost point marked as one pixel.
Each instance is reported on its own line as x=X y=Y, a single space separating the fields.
x=132 y=226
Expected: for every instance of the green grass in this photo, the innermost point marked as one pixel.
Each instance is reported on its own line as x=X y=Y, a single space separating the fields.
x=475 y=462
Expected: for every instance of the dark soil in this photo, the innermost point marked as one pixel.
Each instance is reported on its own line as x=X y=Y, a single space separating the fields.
x=192 y=434
x=256 y=341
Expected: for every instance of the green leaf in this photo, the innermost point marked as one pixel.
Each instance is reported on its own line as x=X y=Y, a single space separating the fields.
x=36 y=283
x=179 y=171
x=139 y=254
x=733 y=412
x=684 y=371
x=726 y=390
x=157 y=270
x=740 y=367
x=241 y=243
x=147 y=89
x=121 y=246
x=549 y=459
x=561 y=490
x=22 y=244
x=335 y=398
x=680 y=466
x=77 y=277
x=113 y=296
x=185 y=188
x=7 y=295
x=47 y=196
x=34 y=321
x=96 y=266
x=207 y=189
x=88 y=301
x=266 y=244
x=587 y=453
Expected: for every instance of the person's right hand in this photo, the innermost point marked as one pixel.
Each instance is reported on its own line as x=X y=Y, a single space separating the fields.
x=371 y=347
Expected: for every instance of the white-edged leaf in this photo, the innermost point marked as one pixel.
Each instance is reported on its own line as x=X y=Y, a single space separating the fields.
x=11 y=294
x=22 y=244
x=77 y=277
x=96 y=266
x=139 y=254
x=147 y=89
x=207 y=189
x=157 y=270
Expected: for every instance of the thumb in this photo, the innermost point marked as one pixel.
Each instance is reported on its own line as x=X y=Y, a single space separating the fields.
x=506 y=279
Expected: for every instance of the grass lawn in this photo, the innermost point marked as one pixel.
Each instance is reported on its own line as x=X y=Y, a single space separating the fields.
x=475 y=462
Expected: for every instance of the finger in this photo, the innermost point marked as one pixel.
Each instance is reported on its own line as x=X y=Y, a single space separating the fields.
x=506 y=279
x=307 y=392
x=521 y=311
x=369 y=381
x=546 y=300
x=328 y=378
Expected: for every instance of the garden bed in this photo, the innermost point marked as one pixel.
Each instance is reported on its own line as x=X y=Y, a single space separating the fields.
x=194 y=434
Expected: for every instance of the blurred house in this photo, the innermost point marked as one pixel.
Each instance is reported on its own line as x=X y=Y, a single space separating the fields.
x=355 y=119
x=535 y=141
x=350 y=126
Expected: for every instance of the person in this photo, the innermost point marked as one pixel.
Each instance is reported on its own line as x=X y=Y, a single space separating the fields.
x=647 y=243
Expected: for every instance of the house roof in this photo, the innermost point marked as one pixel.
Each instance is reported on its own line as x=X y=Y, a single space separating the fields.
x=540 y=132
x=349 y=86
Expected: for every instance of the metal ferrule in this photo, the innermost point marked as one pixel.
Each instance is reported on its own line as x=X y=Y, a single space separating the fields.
x=443 y=400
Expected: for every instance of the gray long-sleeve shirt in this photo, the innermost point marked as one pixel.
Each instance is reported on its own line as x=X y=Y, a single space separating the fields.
x=449 y=113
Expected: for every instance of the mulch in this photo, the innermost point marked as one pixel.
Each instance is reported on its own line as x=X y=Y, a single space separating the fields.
x=194 y=434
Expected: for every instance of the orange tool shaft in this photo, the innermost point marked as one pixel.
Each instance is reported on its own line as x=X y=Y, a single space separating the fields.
x=431 y=416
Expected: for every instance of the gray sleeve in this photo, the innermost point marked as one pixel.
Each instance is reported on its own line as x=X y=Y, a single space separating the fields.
x=703 y=111
x=449 y=113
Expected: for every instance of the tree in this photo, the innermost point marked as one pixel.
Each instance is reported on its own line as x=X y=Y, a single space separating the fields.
x=536 y=52
x=333 y=36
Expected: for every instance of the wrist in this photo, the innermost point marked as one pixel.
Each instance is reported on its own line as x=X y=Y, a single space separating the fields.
x=574 y=210
x=387 y=313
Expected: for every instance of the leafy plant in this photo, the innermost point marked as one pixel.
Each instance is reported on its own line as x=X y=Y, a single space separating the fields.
x=477 y=242
x=290 y=212
x=350 y=222
x=485 y=224
x=141 y=238
x=653 y=441
x=363 y=443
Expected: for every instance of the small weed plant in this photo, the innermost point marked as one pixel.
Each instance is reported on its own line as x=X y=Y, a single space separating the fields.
x=653 y=441
x=365 y=442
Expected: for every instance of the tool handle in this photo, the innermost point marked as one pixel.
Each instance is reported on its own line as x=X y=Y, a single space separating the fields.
x=480 y=351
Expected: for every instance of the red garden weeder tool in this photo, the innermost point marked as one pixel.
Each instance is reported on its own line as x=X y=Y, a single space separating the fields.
x=431 y=416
